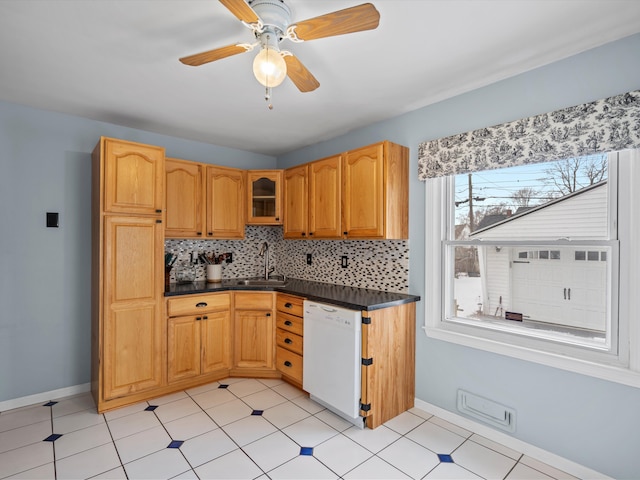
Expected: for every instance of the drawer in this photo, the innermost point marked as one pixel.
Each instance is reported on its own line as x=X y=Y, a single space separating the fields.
x=289 y=363
x=253 y=301
x=289 y=322
x=290 y=304
x=195 y=304
x=289 y=340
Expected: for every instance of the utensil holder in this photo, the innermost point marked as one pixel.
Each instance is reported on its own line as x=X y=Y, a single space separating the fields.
x=214 y=273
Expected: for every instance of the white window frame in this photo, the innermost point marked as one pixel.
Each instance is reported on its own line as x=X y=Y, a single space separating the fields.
x=625 y=367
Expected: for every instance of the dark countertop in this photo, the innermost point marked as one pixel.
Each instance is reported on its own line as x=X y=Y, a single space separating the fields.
x=347 y=297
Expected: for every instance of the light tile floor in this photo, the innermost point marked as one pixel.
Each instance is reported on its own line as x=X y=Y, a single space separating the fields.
x=245 y=429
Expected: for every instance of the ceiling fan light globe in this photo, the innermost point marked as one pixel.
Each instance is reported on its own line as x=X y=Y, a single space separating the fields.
x=269 y=67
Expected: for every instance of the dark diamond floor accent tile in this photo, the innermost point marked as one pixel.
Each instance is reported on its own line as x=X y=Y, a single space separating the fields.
x=175 y=444
x=306 y=450
x=151 y=408
x=257 y=412
x=223 y=386
x=53 y=437
x=49 y=404
x=444 y=458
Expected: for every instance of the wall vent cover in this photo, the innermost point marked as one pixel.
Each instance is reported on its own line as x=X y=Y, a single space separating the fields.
x=487 y=411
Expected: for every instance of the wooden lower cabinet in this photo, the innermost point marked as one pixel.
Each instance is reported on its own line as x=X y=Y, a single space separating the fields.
x=388 y=383
x=254 y=334
x=198 y=342
x=289 y=330
x=132 y=353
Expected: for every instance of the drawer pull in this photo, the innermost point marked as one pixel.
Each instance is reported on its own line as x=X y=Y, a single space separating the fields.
x=287 y=363
x=201 y=305
x=288 y=323
x=288 y=340
x=288 y=305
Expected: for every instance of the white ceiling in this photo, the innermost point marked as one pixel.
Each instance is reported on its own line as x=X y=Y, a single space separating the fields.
x=117 y=61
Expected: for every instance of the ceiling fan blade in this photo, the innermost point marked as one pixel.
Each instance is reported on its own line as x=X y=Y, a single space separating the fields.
x=241 y=10
x=299 y=75
x=213 y=55
x=349 y=20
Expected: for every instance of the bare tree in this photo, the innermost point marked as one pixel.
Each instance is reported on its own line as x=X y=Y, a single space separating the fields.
x=523 y=197
x=573 y=174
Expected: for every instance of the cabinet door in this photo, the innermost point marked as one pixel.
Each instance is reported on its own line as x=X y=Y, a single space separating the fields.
x=264 y=188
x=216 y=341
x=133 y=295
x=363 y=193
x=324 y=198
x=225 y=202
x=184 y=199
x=388 y=384
x=296 y=202
x=183 y=347
x=254 y=333
x=133 y=177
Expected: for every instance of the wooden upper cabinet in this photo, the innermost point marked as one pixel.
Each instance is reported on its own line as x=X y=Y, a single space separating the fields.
x=184 y=192
x=375 y=192
x=363 y=192
x=325 y=182
x=296 y=202
x=264 y=201
x=133 y=177
x=226 y=202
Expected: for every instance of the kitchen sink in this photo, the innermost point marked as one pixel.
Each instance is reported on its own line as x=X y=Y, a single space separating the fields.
x=259 y=281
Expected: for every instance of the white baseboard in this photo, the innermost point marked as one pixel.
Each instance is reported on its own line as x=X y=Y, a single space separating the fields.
x=532 y=451
x=44 y=397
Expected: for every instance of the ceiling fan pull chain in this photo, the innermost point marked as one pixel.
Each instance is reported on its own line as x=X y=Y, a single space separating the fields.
x=267 y=97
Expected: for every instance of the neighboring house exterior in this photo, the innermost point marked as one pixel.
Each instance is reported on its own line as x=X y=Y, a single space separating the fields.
x=555 y=284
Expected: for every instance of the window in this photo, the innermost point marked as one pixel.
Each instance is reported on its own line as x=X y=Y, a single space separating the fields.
x=537 y=273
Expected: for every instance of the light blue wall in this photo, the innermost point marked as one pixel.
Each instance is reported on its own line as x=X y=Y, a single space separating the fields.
x=590 y=421
x=45 y=293
x=45 y=166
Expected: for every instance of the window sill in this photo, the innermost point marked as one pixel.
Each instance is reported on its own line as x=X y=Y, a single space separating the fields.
x=611 y=373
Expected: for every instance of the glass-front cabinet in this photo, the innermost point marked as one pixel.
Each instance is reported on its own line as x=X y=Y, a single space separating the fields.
x=265 y=197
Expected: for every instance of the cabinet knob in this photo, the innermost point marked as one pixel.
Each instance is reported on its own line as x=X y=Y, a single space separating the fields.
x=288 y=341
x=198 y=318
x=210 y=234
x=268 y=314
x=310 y=233
x=198 y=233
x=205 y=318
x=288 y=323
x=287 y=363
x=277 y=219
x=345 y=233
x=158 y=211
x=304 y=234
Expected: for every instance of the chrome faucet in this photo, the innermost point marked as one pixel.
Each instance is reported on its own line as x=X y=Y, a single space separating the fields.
x=264 y=252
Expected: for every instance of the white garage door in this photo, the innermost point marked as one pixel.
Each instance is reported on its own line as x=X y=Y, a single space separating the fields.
x=563 y=286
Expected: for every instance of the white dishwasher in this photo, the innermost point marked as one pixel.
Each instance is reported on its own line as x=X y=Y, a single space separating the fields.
x=332 y=358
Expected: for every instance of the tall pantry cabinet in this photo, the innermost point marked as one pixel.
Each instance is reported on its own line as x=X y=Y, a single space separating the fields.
x=128 y=351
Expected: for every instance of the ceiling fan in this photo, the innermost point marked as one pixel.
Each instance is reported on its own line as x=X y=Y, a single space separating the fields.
x=270 y=21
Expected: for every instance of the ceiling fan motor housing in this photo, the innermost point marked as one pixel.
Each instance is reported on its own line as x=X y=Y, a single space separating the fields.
x=274 y=14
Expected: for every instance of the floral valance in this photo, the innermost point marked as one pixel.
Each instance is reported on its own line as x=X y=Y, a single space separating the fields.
x=597 y=127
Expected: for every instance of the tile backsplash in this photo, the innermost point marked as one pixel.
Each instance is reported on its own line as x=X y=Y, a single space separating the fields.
x=373 y=264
